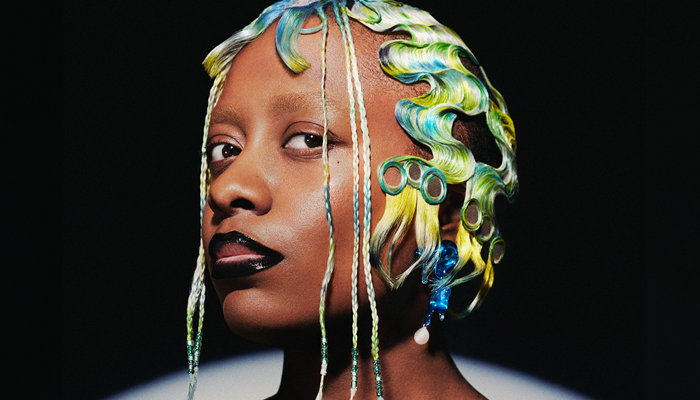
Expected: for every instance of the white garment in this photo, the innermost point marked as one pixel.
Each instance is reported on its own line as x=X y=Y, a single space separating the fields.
x=256 y=376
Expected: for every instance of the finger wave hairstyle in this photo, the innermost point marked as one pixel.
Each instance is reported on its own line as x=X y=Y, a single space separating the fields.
x=420 y=50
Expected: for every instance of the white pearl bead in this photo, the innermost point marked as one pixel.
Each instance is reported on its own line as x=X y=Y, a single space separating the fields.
x=421 y=336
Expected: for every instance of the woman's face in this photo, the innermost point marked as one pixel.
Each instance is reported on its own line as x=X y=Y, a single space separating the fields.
x=266 y=165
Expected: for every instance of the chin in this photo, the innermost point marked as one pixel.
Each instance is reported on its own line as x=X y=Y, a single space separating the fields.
x=269 y=322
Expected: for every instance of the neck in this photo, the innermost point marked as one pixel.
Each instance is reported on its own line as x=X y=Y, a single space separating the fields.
x=409 y=370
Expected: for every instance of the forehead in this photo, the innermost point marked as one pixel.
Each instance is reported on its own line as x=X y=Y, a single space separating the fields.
x=262 y=92
x=259 y=60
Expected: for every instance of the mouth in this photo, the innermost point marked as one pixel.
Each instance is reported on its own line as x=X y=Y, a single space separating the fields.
x=235 y=255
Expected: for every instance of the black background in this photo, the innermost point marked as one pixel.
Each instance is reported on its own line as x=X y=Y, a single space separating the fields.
x=595 y=292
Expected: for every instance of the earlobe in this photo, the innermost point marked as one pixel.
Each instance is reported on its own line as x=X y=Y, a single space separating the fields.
x=450 y=212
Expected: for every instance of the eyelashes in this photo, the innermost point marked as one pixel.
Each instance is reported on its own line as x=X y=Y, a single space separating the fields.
x=304 y=140
x=306 y=143
x=221 y=151
x=306 y=136
x=298 y=141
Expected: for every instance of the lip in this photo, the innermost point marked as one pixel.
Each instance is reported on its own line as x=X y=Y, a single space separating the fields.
x=235 y=255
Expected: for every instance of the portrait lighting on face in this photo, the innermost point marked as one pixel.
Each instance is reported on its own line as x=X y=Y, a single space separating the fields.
x=419 y=50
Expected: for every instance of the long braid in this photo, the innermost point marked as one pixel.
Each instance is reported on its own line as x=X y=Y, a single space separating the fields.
x=329 y=215
x=355 y=199
x=198 y=288
x=367 y=221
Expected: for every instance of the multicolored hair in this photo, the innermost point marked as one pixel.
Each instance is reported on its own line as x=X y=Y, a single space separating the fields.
x=414 y=186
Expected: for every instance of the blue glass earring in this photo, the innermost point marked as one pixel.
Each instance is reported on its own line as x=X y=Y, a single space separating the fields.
x=440 y=294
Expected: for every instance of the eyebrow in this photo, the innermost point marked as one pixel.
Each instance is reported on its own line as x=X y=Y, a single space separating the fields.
x=222 y=115
x=282 y=104
x=293 y=102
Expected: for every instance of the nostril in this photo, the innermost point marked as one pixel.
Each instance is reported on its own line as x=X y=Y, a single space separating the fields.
x=242 y=203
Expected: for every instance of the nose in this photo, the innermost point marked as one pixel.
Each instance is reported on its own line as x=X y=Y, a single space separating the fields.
x=242 y=188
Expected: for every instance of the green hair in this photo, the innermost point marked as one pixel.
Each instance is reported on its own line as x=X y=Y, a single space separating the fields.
x=434 y=54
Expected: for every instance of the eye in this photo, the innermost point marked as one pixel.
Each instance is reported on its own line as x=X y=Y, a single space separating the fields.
x=223 y=150
x=304 y=141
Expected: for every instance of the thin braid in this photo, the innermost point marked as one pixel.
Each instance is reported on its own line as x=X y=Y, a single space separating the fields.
x=198 y=288
x=194 y=345
x=355 y=199
x=329 y=215
x=367 y=221
x=195 y=291
x=202 y=296
x=197 y=279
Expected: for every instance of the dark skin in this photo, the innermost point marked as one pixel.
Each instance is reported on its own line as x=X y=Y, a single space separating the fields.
x=267 y=183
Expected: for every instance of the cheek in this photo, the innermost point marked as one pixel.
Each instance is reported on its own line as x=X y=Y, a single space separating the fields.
x=264 y=306
x=287 y=295
x=208 y=230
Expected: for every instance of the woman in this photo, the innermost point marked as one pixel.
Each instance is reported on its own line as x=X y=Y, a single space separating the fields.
x=347 y=146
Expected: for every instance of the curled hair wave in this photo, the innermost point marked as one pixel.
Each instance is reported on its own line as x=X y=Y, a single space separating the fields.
x=434 y=54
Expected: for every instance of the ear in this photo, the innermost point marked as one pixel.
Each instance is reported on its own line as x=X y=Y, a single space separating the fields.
x=450 y=213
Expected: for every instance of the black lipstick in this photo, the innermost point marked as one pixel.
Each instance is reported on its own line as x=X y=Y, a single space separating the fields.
x=235 y=255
